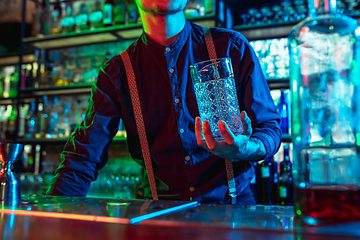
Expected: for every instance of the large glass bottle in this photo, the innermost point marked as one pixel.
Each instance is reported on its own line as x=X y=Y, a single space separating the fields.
x=324 y=65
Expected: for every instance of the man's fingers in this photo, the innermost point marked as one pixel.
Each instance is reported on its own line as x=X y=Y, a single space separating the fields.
x=198 y=130
x=210 y=141
x=246 y=122
x=226 y=133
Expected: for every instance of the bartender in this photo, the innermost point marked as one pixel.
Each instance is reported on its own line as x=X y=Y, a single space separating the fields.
x=185 y=166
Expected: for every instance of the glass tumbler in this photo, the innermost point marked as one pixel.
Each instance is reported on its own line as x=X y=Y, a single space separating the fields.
x=216 y=94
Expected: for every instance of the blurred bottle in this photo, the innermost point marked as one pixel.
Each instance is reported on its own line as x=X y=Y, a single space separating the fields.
x=24 y=108
x=53 y=118
x=132 y=12
x=284 y=113
x=30 y=121
x=45 y=17
x=63 y=128
x=96 y=16
x=108 y=13
x=29 y=80
x=286 y=180
x=209 y=6
x=14 y=82
x=56 y=18
x=194 y=8
x=10 y=132
x=46 y=74
x=77 y=76
x=3 y=119
x=2 y=79
x=68 y=22
x=91 y=75
x=36 y=24
x=120 y=13
x=82 y=19
x=42 y=118
x=267 y=185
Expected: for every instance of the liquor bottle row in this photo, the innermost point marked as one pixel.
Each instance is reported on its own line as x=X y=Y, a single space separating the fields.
x=51 y=118
x=54 y=117
x=287 y=11
x=273 y=55
x=273 y=181
x=61 y=17
x=112 y=186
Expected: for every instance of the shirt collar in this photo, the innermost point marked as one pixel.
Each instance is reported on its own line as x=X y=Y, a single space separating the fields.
x=178 y=43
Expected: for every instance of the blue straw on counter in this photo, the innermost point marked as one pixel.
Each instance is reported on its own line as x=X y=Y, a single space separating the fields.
x=138 y=219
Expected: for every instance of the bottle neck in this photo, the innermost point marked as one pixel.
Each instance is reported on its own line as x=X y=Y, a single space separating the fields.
x=322 y=7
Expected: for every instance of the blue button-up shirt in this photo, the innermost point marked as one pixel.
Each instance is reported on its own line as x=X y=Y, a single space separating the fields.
x=183 y=170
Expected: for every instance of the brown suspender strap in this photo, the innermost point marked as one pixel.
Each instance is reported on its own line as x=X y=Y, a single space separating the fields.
x=139 y=122
x=228 y=163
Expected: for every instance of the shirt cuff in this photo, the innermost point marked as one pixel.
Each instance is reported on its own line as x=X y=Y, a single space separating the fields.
x=269 y=143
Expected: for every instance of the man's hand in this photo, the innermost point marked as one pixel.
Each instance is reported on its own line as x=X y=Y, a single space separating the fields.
x=235 y=148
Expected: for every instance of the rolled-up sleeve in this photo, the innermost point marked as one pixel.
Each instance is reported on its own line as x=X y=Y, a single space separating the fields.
x=86 y=150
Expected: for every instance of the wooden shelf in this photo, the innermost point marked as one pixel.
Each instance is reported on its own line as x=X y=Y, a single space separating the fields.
x=279 y=83
x=101 y=35
x=13 y=60
x=57 y=90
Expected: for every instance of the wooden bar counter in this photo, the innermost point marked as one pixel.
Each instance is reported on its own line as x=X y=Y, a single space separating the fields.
x=45 y=217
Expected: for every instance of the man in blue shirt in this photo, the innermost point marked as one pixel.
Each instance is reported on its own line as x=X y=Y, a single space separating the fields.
x=185 y=167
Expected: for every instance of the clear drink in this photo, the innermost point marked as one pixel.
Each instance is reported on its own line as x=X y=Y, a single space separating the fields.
x=217 y=100
x=216 y=94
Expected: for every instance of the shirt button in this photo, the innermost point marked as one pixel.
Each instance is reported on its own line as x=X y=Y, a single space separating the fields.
x=182 y=130
x=191 y=189
x=187 y=158
x=171 y=70
x=177 y=100
x=167 y=49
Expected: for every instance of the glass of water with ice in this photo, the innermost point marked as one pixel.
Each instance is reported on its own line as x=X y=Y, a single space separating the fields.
x=216 y=94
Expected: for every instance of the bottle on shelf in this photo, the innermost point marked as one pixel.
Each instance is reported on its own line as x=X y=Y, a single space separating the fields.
x=36 y=23
x=209 y=6
x=53 y=119
x=96 y=16
x=2 y=79
x=108 y=8
x=29 y=80
x=42 y=118
x=30 y=121
x=10 y=132
x=14 y=81
x=68 y=22
x=92 y=73
x=45 y=17
x=132 y=12
x=63 y=127
x=82 y=19
x=46 y=74
x=120 y=12
x=284 y=113
x=3 y=119
x=286 y=180
x=24 y=108
x=56 y=18
x=268 y=182
x=77 y=75
x=194 y=8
